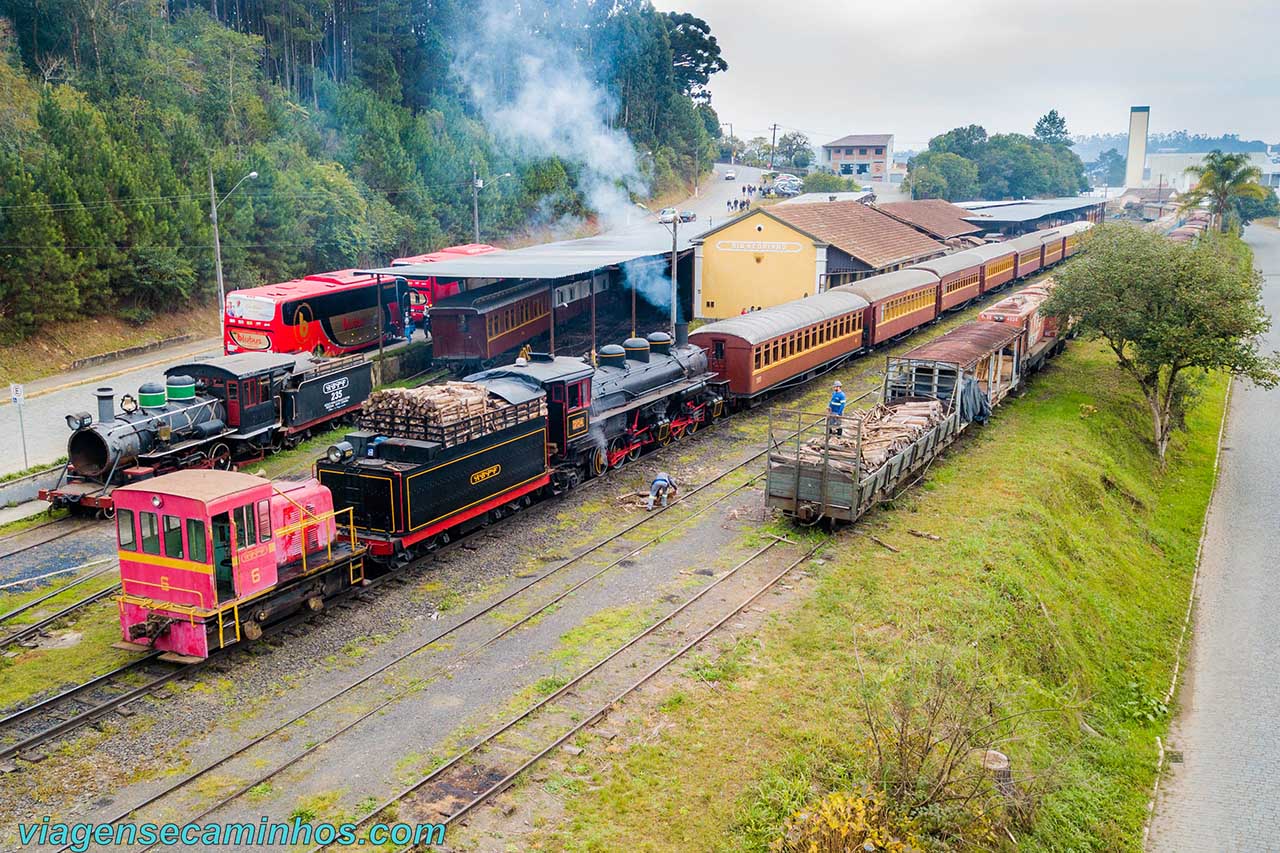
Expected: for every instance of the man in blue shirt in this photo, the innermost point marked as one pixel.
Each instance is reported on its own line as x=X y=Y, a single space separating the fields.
x=836 y=409
x=661 y=484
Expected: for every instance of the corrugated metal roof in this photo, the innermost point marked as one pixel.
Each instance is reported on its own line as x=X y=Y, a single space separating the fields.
x=947 y=264
x=815 y=198
x=769 y=323
x=564 y=259
x=987 y=213
x=888 y=284
x=965 y=345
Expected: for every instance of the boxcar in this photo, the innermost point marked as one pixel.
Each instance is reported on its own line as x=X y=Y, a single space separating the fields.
x=755 y=352
x=998 y=260
x=899 y=302
x=959 y=278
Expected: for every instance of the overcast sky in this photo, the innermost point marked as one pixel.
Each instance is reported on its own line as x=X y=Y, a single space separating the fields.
x=916 y=68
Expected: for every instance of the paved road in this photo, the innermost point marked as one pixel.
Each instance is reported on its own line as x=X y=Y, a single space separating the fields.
x=1225 y=795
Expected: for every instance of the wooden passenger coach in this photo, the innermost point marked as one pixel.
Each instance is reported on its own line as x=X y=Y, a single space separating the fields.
x=998 y=262
x=959 y=278
x=900 y=302
x=757 y=351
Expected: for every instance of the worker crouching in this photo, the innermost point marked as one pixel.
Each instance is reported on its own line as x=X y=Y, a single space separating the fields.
x=662 y=485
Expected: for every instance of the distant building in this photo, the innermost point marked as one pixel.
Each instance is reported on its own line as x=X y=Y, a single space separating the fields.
x=864 y=196
x=1169 y=171
x=790 y=251
x=864 y=155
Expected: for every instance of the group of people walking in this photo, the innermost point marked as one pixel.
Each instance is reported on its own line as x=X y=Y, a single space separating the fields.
x=747 y=191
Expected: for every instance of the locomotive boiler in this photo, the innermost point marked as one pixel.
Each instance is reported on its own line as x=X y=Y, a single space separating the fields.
x=207 y=414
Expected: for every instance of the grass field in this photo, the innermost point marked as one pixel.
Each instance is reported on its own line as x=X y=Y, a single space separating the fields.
x=1059 y=582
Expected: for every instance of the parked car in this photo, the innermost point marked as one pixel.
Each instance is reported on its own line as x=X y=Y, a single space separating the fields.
x=731 y=175
x=667 y=215
x=688 y=216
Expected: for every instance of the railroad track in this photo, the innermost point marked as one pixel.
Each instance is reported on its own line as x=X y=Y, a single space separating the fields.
x=494 y=762
x=27 y=631
x=30 y=727
x=514 y=595
x=71 y=526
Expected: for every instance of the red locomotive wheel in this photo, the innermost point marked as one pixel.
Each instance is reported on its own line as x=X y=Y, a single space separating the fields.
x=618 y=452
x=633 y=452
x=220 y=457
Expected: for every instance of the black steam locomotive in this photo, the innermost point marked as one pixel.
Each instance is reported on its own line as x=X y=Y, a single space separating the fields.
x=208 y=414
x=556 y=422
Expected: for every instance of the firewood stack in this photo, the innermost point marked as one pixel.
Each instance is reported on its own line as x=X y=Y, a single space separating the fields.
x=454 y=412
x=886 y=431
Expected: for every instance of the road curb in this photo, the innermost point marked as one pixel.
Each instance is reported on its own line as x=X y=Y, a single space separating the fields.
x=89 y=381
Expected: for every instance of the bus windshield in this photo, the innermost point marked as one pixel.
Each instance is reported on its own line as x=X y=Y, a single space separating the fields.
x=250 y=307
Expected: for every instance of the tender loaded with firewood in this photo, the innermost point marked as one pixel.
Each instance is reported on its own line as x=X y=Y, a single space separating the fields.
x=836 y=467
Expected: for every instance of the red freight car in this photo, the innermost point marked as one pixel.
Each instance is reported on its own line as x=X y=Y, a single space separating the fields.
x=790 y=342
x=959 y=278
x=900 y=302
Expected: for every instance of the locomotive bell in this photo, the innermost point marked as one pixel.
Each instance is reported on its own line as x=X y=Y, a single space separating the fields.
x=636 y=349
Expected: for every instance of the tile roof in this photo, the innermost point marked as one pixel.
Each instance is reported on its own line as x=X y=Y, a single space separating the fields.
x=861 y=139
x=867 y=234
x=934 y=216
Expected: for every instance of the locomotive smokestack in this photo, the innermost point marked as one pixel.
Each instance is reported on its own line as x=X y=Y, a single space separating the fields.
x=106 y=404
x=682 y=334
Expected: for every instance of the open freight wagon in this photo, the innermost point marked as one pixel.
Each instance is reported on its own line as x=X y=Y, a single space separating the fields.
x=823 y=466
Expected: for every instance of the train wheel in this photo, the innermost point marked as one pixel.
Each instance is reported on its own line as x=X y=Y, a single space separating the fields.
x=633 y=452
x=220 y=457
x=617 y=448
x=692 y=426
x=599 y=462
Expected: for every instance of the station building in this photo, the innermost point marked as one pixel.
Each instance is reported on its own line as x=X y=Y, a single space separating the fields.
x=776 y=254
x=999 y=219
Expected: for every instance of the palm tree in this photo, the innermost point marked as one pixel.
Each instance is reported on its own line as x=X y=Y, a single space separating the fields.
x=1221 y=179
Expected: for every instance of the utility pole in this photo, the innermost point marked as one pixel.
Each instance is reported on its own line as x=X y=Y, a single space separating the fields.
x=773 y=147
x=731 y=140
x=217 y=248
x=475 y=202
x=217 y=262
x=675 y=291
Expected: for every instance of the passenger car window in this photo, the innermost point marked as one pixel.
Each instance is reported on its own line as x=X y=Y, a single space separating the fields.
x=125 y=533
x=173 y=537
x=150 y=532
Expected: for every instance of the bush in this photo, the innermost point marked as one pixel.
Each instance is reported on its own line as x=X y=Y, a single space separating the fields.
x=844 y=822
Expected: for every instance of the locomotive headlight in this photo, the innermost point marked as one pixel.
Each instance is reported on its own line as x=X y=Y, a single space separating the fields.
x=79 y=420
x=340 y=451
x=157 y=501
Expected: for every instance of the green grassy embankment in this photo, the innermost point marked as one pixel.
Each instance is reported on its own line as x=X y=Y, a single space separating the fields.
x=1061 y=574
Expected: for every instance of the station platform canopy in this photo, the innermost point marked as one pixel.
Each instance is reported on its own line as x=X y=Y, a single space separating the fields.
x=985 y=213
x=562 y=259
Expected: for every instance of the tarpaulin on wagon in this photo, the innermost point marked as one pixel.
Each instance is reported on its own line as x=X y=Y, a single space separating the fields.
x=974 y=405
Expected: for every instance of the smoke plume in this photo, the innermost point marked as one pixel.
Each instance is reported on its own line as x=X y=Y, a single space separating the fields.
x=536 y=95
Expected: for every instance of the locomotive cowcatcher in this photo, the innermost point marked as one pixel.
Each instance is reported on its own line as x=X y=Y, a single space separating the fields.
x=208 y=414
x=557 y=421
x=208 y=558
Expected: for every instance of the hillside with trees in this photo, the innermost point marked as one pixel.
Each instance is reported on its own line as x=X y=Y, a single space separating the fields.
x=362 y=120
x=965 y=163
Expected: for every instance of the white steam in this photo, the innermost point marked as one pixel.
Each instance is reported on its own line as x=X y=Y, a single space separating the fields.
x=536 y=95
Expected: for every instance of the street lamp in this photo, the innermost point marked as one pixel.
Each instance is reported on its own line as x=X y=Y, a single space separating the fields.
x=214 y=203
x=674 y=229
x=477 y=184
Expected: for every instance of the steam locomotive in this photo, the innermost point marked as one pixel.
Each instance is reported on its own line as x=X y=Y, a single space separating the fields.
x=208 y=414
x=556 y=422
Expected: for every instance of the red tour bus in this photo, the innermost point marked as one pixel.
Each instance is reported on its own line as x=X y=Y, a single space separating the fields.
x=425 y=292
x=330 y=313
